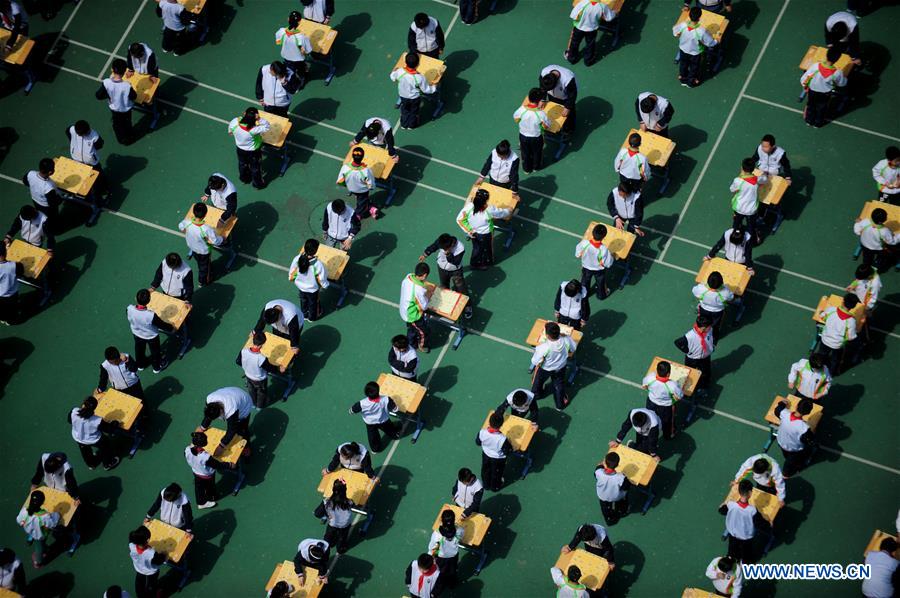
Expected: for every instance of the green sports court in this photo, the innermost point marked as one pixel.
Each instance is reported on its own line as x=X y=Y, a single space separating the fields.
x=50 y=361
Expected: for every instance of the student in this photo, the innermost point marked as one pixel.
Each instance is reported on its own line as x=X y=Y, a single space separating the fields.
x=467 y=492
x=286 y=320
x=276 y=85
x=204 y=467
x=468 y=11
x=141 y=60
x=647 y=426
x=495 y=447
x=842 y=33
x=569 y=585
x=120 y=372
x=612 y=489
x=296 y=47
x=654 y=113
x=199 y=236
x=838 y=331
x=54 y=471
x=501 y=168
x=248 y=130
x=450 y=251
x=10 y=272
x=14 y=19
x=257 y=368
x=819 y=81
x=423 y=577
x=887 y=174
x=281 y=589
x=352 y=456
x=476 y=219
x=884 y=570
x=662 y=395
x=378 y=132
x=716 y=6
x=572 y=306
x=741 y=520
x=727 y=576
x=772 y=159
x=632 y=165
x=586 y=16
x=89 y=432
x=223 y=195
x=765 y=474
x=411 y=84
x=403 y=359
x=174 y=508
x=627 y=208
x=561 y=87
x=693 y=41
x=146 y=561
x=175 y=278
x=337 y=512
x=414 y=298
x=12 y=573
x=37 y=525
x=313 y=554
x=145 y=326
x=596 y=259
x=522 y=403
x=357 y=177
x=84 y=142
x=532 y=121
x=444 y=547
x=120 y=97
x=340 y=225
x=44 y=192
x=596 y=541
x=866 y=286
x=550 y=359
x=319 y=11
x=234 y=406
x=874 y=237
x=376 y=412
x=738 y=245
x=310 y=276
x=810 y=378
x=795 y=437
x=31 y=226
x=698 y=344
x=712 y=298
x=175 y=21
x=745 y=198
x=425 y=36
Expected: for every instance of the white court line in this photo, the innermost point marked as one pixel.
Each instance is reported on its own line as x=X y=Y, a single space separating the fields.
x=452 y=23
x=62 y=31
x=722 y=131
x=445 y=3
x=834 y=122
x=121 y=40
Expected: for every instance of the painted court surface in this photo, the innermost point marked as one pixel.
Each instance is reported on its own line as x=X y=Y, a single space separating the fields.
x=50 y=362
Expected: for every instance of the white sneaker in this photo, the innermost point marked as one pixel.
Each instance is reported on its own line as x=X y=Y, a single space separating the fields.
x=207 y=505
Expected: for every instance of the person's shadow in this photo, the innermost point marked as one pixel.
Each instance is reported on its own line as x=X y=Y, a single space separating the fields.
x=212 y=534
x=13 y=351
x=453 y=88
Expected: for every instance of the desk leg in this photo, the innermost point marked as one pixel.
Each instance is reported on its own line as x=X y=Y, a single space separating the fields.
x=575 y=367
x=563 y=144
x=391 y=190
x=650 y=496
x=724 y=535
x=627 y=266
x=136 y=438
x=769 y=542
x=76 y=542
x=616 y=31
x=30 y=79
x=772 y=434
x=461 y=332
x=439 y=108
x=397 y=103
x=185 y=573
x=241 y=476
x=185 y=336
x=677 y=56
x=285 y=160
x=291 y=385
x=718 y=56
x=232 y=255
x=665 y=179
x=779 y=218
x=482 y=559
x=802 y=96
x=343 y=296
x=857 y=251
x=692 y=410
x=741 y=306
x=510 y=235
x=529 y=460
x=154 y=112
x=364 y=528
x=45 y=291
x=331 y=68
x=815 y=339
x=420 y=425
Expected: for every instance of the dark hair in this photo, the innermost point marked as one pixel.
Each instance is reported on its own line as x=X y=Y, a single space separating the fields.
x=88 y=406
x=317 y=552
x=111 y=353
x=303 y=263
x=28 y=212
x=464 y=475
x=421 y=19
x=350 y=449
x=271 y=315
x=833 y=54
x=294 y=19
x=892 y=152
x=249 y=117
x=737 y=236
x=863 y=271
x=213 y=410
x=372 y=390
x=7 y=556
x=358 y=154
x=259 y=339
x=310 y=247
x=199 y=210
x=695 y=13
x=768 y=138
x=82 y=127
x=888 y=545
x=535 y=95
x=748 y=164
x=425 y=561
x=551 y=329
x=760 y=465
x=663 y=368
x=338 y=206
x=480 y=200
x=804 y=406
x=373 y=129
x=879 y=216
x=714 y=280
x=634 y=140
x=35 y=502
x=726 y=564
x=838 y=31
x=136 y=49
x=446 y=241
x=199 y=439
x=850 y=301
x=816 y=361
x=573 y=287
x=639 y=418
x=745 y=487
x=278 y=69
x=624 y=187
x=587 y=532
x=519 y=398
x=400 y=341
x=216 y=182
x=448 y=524
x=46 y=166
x=172 y=492
x=282 y=589
x=703 y=321
x=549 y=81
x=598 y=232
x=574 y=574
x=422 y=269
x=648 y=103
x=140 y=536
x=173 y=260
x=338 y=498
x=611 y=459
x=119 y=66
x=142 y=297
x=495 y=420
x=54 y=462
x=503 y=147
x=412 y=60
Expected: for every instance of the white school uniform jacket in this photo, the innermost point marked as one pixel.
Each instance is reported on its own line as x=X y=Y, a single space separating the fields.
x=198 y=462
x=594 y=255
x=479 y=223
x=697 y=348
x=501 y=168
x=735 y=253
x=35 y=525
x=248 y=138
x=523 y=410
x=411 y=84
x=120 y=377
x=464 y=495
x=609 y=485
x=252 y=363
x=315 y=11
x=653 y=421
x=8 y=573
x=171 y=15
x=867 y=290
x=739 y=520
x=172 y=512
x=421 y=585
x=140 y=64
x=140 y=319
x=426 y=37
x=289 y=311
x=385 y=127
x=570 y=307
x=625 y=206
x=337 y=517
x=492 y=443
x=82 y=148
x=731 y=583
x=199 y=236
x=8 y=20
x=692 y=39
x=375 y=411
x=809 y=382
x=355 y=462
x=315 y=277
x=9 y=282
x=652 y=118
x=553 y=355
x=532 y=120
x=172 y=283
x=587 y=14
x=662 y=391
x=85 y=430
x=632 y=164
x=565 y=77
x=39 y=187
x=233 y=400
x=274 y=92
x=769 y=479
x=32 y=231
x=880 y=584
x=823 y=78
x=57 y=479
x=564 y=587
x=457 y=250
x=790 y=430
x=295 y=46
x=712 y=300
x=119 y=93
x=839 y=328
x=339 y=225
x=142 y=559
x=874 y=236
x=404 y=357
x=357 y=179
x=413 y=300
x=218 y=198
x=884 y=174
x=443 y=547
x=745 y=200
x=770 y=164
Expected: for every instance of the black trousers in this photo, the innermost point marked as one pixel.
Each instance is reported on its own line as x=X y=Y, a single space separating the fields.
x=146 y=586
x=750 y=221
x=140 y=352
x=716 y=317
x=364 y=206
x=377 y=442
x=417 y=333
x=453 y=279
x=740 y=550
x=705 y=367
x=249 y=167
x=309 y=305
x=532 y=150
x=558 y=384
x=204 y=268
x=614 y=510
x=599 y=277
x=409 y=112
x=448 y=567
x=468 y=14
x=9 y=309
x=51 y=211
x=258 y=391
x=666 y=414
x=833 y=357
x=573 y=322
x=794 y=461
x=492 y=472
x=816 y=108
x=122 y=127
x=337 y=537
x=689 y=67
x=135 y=390
x=278 y=110
x=95 y=454
x=590 y=46
x=204 y=489
x=436 y=53
x=174 y=40
x=482 y=250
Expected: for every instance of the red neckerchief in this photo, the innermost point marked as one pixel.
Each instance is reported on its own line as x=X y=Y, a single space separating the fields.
x=826 y=71
x=426 y=573
x=596 y=244
x=255 y=349
x=743 y=504
x=751 y=179
x=139 y=549
x=358 y=165
x=410 y=71
x=376 y=399
x=795 y=417
x=530 y=105
x=608 y=471
x=663 y=380
x=244 y=127
x=632 y=153
x=842 y=314
x=140 y=307
x=690 y=28
x=492 y=430
x=702 y=335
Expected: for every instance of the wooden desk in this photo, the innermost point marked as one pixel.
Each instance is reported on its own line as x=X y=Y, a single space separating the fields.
x=594 y=569
x=619 y=242
x=475 y=526
x=359 y=486
x=638 y=467
x=537 y=335
x=767 y=504
x=735 y=275
x=57 y=502
x=277 y=349
x=169 y=309
x=335 y=261
x=33 y=259
x=285 y=572
x=20 y=52
x=554 y=112
x=893 y=213
x=875 y=543
x=194 y=6
x=713 y=23
x=432 y=68
x=697 y=593
x=657 y=148
x=279 y=127
x=816 y=54
x=73 y=177
x=614 y=5
x=321 y=36
x=406 y=394
x=771 y=192
x=213 y=215
x=376 y=158
x=858 y=312
x=4 y=593
x=686 y=377
x=232 y=453
x=446 y=303
x=168 y=539
x=812 y=419
x=143 y=87
x=114 y=405
x=498 y=197
x=517 y=429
